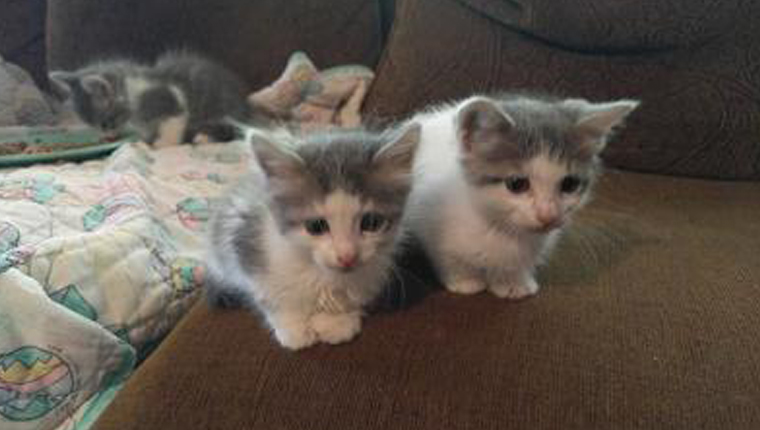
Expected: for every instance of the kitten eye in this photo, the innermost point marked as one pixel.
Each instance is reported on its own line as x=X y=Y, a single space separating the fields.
x=517 y=184
x=570 y=184
x=316 y=226
x=373 y=222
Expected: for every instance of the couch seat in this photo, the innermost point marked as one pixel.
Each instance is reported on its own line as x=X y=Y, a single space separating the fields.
x=649 y=317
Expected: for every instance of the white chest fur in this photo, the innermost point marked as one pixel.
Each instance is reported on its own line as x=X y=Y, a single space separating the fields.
x=294 y=280
x=442 y=214
x=467 y=237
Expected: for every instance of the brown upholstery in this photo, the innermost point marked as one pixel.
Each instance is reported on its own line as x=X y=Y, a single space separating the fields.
x=255 y=38
x=648 y=320
x=22 y=36
x=693 y=63
x=615 y=27
x=650 y=313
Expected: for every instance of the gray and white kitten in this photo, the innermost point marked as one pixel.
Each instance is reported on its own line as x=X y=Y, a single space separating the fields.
x=496 y=180
x=180 y=96
x=309 y=240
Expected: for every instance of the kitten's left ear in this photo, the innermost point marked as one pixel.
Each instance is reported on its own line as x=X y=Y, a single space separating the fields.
x=598 y=120
x=399 y=153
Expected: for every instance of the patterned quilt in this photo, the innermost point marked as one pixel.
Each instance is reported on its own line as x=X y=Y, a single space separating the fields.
x=97 y=262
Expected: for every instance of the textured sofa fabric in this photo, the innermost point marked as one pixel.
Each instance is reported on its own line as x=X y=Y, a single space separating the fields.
x=255 y=38
x=694 y=64
x=22 y=36
x=648 y=320
x=623 y=26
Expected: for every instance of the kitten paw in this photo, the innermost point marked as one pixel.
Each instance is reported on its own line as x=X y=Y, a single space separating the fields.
x=336 y=328
x=516 y=290
x=466 y=286
x=201 y=139
x=296 y=336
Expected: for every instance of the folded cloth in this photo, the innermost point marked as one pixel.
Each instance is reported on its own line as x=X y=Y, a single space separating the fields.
x=98 y=261
x=21 y=102
x=314 y=99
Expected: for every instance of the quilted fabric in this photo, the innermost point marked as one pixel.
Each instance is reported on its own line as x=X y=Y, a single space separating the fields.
x=98 y=261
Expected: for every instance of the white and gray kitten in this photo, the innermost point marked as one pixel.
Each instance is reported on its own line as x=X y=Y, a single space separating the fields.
x=310 y=239
x=498 y=178
x=180 y=96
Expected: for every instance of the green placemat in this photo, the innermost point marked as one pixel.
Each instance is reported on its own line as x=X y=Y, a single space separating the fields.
x=22 y=146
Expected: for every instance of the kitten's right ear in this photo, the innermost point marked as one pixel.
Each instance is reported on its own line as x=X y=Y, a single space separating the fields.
x=483 y=127
x=274 y=158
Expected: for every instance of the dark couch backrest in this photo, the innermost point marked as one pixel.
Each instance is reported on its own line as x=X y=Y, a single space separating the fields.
x=254 y=38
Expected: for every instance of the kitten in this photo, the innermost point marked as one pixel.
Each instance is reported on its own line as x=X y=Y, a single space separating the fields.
x=498 y=178
x=310 y=239
x=169 y=102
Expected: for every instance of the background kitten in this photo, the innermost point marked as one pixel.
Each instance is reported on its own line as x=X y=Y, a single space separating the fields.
x=311 y=240
x=498 y=178
x=169 y=102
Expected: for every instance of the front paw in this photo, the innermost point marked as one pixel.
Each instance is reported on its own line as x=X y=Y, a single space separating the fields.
x=336 y=328
x=295 y=336
x=465 y=286
x=515 y=290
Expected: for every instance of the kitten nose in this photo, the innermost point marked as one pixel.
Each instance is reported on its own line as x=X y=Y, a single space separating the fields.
x=547 y=215
x=347 y=261
x=547 y=219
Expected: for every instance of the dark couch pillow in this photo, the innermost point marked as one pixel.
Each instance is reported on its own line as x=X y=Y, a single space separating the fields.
x=22 y=36
x=700 y=88
x=614 y=26
x=255 y=38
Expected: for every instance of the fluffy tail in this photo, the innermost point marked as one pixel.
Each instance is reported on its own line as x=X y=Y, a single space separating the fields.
x=221 y=295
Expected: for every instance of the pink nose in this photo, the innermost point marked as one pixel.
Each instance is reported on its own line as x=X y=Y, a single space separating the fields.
x=547 y=219
x=547 y=215
x=347 y=261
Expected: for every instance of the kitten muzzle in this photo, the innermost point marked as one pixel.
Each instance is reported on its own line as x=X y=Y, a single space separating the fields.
x=545 y=226
x=347 y=262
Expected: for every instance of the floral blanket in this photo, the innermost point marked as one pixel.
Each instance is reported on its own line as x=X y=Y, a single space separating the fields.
x=97 y=262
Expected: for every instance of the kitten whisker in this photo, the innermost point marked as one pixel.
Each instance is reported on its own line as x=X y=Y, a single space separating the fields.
x=290 y=243
x=501 y=176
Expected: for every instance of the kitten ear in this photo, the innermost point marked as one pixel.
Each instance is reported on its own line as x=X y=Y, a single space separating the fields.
x=598 y=120
x=399 y=153
x=63 y=76
x=97 y=86
x=483 y=127
x=60 y=84
x=393 y=163
x=274 y=158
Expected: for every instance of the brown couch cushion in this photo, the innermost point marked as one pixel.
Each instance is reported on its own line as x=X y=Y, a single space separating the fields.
x=615 y=26
x=255 y=38
x=648 y=319
x=22 y=36
x=697 y=78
